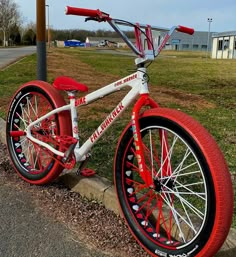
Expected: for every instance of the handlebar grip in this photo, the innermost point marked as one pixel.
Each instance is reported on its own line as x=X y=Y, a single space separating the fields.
x=186 y=30
x=82 y=12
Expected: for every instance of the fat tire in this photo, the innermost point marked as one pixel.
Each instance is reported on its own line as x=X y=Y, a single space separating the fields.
x=219 y=212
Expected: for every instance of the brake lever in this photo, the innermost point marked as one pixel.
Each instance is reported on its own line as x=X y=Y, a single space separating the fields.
x=98 y=19
x=91 y=19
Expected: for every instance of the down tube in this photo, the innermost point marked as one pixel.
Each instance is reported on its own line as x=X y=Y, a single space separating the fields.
x=84 y=149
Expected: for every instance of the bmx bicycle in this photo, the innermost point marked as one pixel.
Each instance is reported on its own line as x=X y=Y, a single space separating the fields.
x=171 y=179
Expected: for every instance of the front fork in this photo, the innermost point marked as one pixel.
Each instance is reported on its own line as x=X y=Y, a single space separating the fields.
x=144 y=100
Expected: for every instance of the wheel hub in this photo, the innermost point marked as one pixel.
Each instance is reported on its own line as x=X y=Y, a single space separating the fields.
x=160 y=185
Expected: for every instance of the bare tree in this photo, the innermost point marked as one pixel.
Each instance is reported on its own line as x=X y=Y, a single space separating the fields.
x=9 y=15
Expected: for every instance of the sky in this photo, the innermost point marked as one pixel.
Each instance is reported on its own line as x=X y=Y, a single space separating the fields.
x=164 y=13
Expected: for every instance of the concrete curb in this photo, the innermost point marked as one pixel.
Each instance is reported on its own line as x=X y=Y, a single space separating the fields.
x=93 y=188
x=102 y=190
x=2 y=131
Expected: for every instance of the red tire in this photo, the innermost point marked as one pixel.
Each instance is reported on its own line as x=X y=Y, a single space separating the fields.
x=189 y=211
x=30 y=102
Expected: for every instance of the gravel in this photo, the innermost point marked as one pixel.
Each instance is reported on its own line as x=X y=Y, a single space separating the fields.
x=90 y=222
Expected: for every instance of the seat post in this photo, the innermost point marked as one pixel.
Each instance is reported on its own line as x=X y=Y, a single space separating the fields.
x=71 y=94
x=74 y=115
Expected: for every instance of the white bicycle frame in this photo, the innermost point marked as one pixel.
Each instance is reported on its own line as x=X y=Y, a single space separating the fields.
x=139 y=86
x=137 y=81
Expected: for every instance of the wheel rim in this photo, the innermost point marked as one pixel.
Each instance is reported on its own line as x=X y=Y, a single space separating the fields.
x=173 y=213
x=31 y=158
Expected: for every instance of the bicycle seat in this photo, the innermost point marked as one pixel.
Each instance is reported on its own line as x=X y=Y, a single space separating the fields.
x=68 y=84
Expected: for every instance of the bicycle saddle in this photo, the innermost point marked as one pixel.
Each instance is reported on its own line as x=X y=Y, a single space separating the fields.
x=69 y=84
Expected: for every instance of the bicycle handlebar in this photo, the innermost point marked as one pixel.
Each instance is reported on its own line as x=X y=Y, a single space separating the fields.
x=186 y=30
x=99 y=16
x=104 y=16
x=86 y=12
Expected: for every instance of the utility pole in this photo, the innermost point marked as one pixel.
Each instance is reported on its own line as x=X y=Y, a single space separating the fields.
x=41 y=41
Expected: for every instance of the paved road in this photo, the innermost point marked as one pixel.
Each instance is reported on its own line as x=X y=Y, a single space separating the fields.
x=26 y=232
x=8 y=55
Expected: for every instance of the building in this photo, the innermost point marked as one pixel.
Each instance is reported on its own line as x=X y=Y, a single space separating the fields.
x=178 y=41
x=199 y=41
x=224 y=45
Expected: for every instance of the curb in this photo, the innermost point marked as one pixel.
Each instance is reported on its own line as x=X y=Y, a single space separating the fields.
x=2 y=131
x=102 y=190
x=94 y=188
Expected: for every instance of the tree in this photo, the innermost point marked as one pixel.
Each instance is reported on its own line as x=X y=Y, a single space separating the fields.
x=9 y=15
x=29 y=37
x=28 y=34
x=14 y=34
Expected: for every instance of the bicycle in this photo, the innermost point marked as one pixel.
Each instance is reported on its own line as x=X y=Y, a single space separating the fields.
x=171 y=179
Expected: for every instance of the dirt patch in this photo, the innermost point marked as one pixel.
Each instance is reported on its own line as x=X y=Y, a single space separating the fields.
x=63 y=64
x=167 y=96
x=86 y=74
x=69 y=65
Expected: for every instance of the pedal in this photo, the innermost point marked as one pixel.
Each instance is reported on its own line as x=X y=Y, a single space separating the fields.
x=87 y=172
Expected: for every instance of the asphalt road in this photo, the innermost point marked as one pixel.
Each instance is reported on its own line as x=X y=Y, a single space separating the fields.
x=8 y=55
x=26 y=232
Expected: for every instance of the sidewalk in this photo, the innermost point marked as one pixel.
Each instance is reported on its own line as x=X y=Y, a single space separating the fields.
x=102 y=190
x=25 y=230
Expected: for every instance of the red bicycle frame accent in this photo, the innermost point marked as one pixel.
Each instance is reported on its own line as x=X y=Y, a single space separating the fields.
x=144 y=100
x=166 y=170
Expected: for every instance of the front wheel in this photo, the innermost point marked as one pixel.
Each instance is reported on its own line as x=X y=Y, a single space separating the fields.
x=189 y=210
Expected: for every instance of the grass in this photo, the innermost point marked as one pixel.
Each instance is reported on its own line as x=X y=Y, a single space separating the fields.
x=202 y=87
x=12 y=77
x=199 y=86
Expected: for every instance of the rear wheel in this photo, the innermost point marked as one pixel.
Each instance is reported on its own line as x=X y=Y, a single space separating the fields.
x=35 y=164
x=189 y=210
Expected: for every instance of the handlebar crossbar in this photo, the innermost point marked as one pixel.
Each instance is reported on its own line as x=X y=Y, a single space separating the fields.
x=143 y=26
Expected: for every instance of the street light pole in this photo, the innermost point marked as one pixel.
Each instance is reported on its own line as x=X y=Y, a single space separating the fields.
x=48 y=27
x=209 y=20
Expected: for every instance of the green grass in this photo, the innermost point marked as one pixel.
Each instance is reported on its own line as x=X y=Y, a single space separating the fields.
x=15 y=75
x=12 y=77
x=214 y=81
